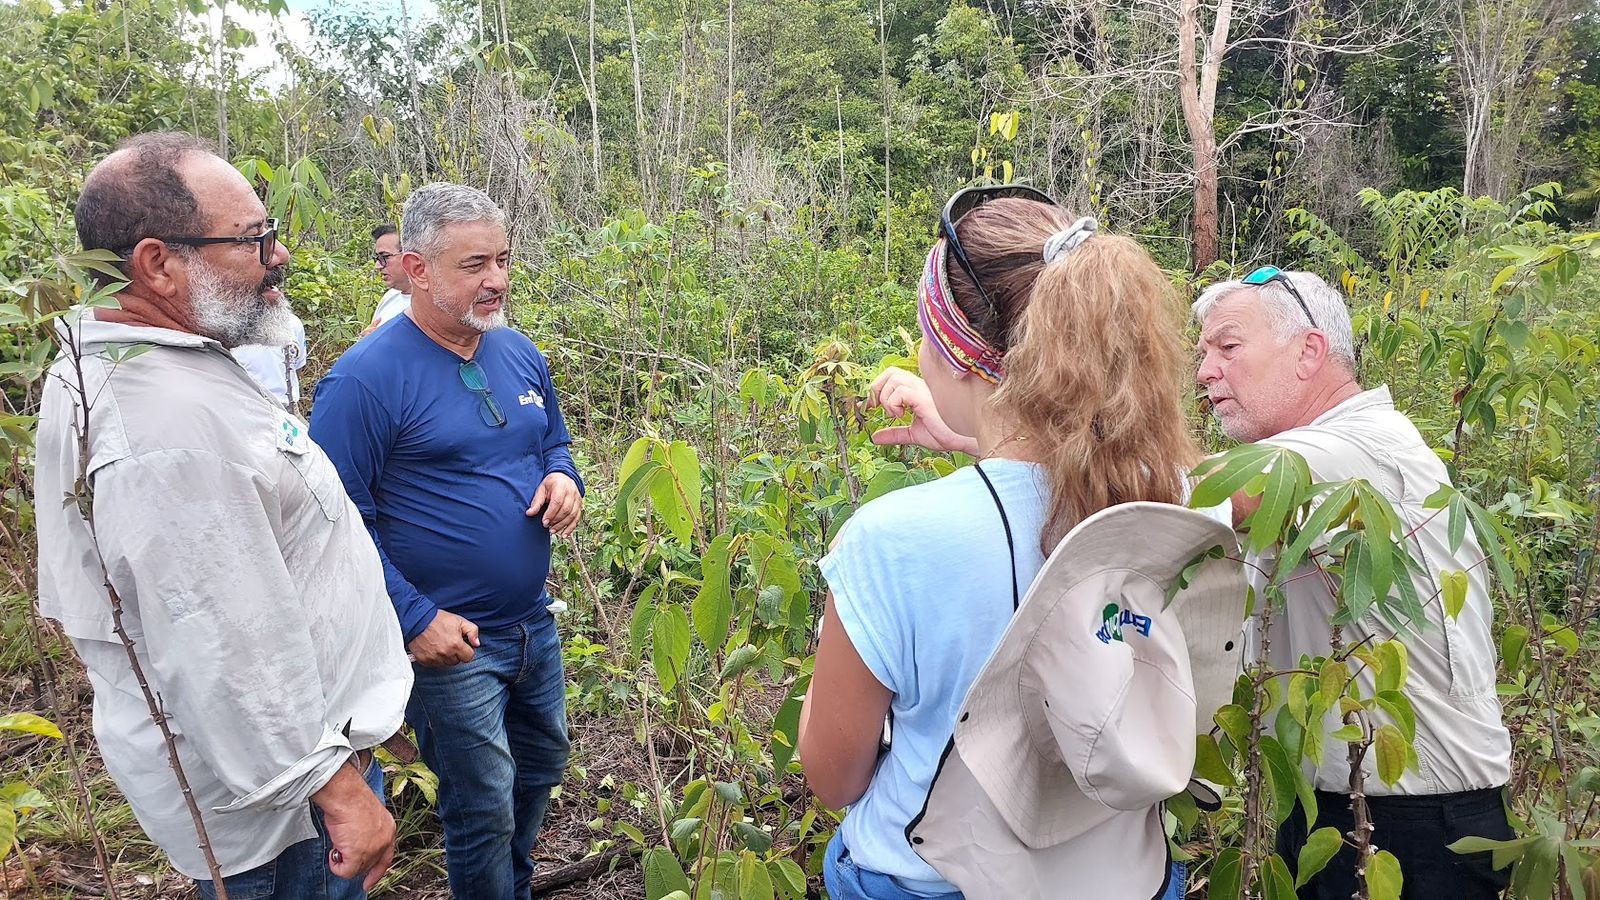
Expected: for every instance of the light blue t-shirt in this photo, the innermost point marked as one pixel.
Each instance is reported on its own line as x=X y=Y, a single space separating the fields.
x=921 y=581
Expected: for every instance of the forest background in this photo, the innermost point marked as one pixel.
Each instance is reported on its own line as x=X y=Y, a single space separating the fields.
x=718 y=209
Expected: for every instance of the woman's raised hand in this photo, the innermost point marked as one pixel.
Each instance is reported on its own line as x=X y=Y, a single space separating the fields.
x=898 y=392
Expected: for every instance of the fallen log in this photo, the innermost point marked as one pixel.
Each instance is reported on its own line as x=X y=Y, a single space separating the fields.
x=549 y=880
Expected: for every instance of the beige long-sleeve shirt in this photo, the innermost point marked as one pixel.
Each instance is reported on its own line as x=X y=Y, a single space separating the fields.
x=1461 y=743
x=250 y=587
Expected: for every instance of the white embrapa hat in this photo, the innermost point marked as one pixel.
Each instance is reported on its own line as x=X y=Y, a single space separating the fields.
x=1084 y=719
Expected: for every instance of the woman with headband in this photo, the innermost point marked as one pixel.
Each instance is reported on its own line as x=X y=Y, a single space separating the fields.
x=1053 y=354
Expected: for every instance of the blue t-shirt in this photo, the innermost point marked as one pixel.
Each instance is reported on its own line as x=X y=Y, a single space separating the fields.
x=443 y=492
x=921 y=581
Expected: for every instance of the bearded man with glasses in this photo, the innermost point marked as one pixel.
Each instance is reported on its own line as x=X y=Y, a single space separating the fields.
x=251 y=592
x=445 y=427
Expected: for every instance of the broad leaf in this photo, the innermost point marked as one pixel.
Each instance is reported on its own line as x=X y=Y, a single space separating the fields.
x=669 y=645
x=28 y=723
x=1383 y=876
x=1320 y=848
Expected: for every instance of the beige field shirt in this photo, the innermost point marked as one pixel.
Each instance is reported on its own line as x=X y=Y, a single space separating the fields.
x=249 y=584
x=1461 y=741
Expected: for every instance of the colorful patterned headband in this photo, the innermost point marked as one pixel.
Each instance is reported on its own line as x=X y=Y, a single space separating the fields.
x=947 y=327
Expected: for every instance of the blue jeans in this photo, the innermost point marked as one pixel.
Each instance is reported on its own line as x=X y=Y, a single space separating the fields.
x=847 y=881
x=495 y=732
x=301 y=871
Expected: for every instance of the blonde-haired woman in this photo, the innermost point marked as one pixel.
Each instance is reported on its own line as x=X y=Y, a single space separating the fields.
x=1052 y=352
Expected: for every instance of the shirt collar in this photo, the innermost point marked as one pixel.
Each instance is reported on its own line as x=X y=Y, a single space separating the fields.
x=1377 y=398
x=94 y=333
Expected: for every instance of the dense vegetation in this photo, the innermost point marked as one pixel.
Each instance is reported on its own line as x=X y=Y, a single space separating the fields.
x=717 y=210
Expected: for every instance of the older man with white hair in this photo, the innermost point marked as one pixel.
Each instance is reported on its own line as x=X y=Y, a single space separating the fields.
x=1279 y=367
x=446 y=430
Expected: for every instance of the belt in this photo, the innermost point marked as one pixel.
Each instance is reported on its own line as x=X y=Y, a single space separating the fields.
x=1423 y=805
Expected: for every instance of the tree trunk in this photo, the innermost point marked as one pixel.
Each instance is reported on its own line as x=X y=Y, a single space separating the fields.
x=883 y=75
x=221 y=89
x=411 y=85
x=1197 y=79
x=728 y=137
x=642 y=157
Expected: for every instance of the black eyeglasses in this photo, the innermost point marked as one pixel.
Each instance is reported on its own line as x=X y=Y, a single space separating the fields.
x=1270 y=274
x=382 y=259
x=489 y=411
x=267 y=241
x=968 y=199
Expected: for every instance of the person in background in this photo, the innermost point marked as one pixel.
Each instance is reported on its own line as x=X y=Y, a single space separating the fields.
x=250 y=590
x=386 y=257
x=277 y=369
x=1056 y=351
x=447 y=432
x=1278 y=363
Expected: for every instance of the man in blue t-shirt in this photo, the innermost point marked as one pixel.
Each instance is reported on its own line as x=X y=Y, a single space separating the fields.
x=446 y=431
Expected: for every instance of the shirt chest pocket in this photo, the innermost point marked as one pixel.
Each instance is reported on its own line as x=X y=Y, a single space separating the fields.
x=313 y=468
x=322 y=479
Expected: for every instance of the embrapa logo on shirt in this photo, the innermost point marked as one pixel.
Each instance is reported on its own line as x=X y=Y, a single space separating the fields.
x=532 y=396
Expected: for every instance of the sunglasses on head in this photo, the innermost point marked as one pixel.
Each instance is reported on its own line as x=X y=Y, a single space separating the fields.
x=1271 y=274
x=968 y=199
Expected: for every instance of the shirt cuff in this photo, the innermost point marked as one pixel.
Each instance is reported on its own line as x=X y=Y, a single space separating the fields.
x=292 y=788
x=569 y=469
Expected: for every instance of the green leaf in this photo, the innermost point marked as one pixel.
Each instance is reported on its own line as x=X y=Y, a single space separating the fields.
x=1331 y=510
x=754 y=882
x=1226 y=875
x=632 y=485
x=1504 y=852
x=28 y=723
x=1208 y=762
x=1347 y=733
x=669 y=645
x=1278 y=883
x=788 y=877
x=1453 y=587
x=1393 y=752
x=1393 y=666
x=644 y=617
x=1383 y=876
x=8 y=829
x=752 y=837
x=738 y=662
x=1320 y=848
x=1501 y=277
x=685 y=464
x=1235 y=724
x=786 y=726
x=713 y=605
x=668 y=501
x=1279 y=488
x=1399 y=708
x=1228 y=473
x=663 y=875
x=1281 y=776
x=1513 y=644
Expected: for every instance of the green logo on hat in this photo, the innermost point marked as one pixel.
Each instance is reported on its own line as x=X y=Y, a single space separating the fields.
x=1114 y=617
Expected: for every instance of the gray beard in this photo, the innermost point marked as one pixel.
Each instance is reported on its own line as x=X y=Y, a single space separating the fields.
x=234 y=316
x=482 y=324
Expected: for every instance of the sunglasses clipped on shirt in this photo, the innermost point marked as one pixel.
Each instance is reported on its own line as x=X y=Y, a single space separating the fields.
x=968 y=199
x=472 y=375
x=1273 y=274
